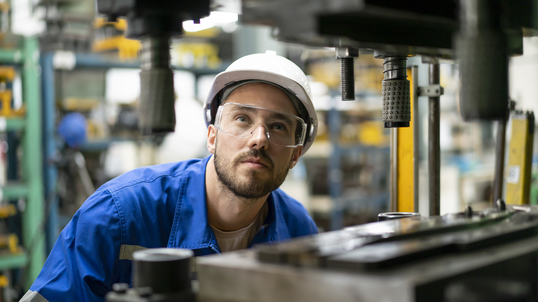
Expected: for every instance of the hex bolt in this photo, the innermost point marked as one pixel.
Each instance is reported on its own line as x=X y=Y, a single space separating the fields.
x=346 y=55
x=468 y=212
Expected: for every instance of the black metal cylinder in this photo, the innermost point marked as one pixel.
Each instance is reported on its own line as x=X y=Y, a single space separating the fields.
x=162 y=270
x=482 y=51
x=395 y=93
x=157 y=98
x=434 y=149
x=348 y=79
x=155 y=52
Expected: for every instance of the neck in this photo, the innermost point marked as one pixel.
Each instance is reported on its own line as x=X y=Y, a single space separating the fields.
x=225 y=210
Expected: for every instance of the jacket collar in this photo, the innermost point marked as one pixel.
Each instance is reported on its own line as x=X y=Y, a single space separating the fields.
x=191 y=230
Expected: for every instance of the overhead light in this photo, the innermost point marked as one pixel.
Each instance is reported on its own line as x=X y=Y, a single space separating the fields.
x=214 y=19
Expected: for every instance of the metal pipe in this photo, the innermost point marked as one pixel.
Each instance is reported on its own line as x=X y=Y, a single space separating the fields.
x=156 y=110
x=346 y=56
x=482 y=50
x=155 y=53
x=394 y=170
x=499 y=161
x=416 y=145
x=348 y=79
x=434 y=152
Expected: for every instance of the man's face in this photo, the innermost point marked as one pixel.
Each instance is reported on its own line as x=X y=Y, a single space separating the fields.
x=252 y=167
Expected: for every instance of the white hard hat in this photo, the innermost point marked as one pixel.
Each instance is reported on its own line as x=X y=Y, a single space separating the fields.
x=267 y=67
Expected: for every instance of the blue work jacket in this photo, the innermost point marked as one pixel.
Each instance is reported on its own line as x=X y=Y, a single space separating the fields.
x=157 y=206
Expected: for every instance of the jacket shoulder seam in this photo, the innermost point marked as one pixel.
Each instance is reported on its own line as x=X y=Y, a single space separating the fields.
x=149 y=180
x=122 y=229
x=179 y=205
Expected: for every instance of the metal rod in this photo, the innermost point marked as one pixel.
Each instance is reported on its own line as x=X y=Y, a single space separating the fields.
x=434 y=152
x=348 y=79
x=416 y=151
x=394 y=170
x=499 y=161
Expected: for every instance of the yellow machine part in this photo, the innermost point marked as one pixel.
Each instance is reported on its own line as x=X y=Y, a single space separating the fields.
x=9 y=242
x=7 y=75
x=519 y=168
x=405 y=147
x=5 y=103
x=202 y=55
x=4 y=282
x=127 y=49
x=371 y=134
x=120 y=24
x=7 y=211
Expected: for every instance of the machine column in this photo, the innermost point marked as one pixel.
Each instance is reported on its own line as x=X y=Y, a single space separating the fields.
x=434 y=152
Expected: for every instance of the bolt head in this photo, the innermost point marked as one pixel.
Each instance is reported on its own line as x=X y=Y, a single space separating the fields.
x=346 y=52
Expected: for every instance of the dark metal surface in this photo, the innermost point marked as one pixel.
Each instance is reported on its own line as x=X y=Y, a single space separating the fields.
x=482 y=49
x=394 y=26
x=382 y=255
x=314 y=251
x=434 y=151
x=156 y=109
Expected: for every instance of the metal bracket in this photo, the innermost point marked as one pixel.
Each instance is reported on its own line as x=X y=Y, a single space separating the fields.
x=431 y=90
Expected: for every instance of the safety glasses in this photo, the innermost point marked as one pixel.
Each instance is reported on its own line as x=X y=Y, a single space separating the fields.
x=282 y=129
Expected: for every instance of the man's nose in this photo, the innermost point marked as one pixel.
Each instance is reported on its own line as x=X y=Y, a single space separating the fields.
x=259 y=138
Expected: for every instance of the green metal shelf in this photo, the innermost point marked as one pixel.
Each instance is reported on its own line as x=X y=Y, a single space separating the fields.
x=12 y=123
x=11 y=56
x=9 y=261
x=14 y=190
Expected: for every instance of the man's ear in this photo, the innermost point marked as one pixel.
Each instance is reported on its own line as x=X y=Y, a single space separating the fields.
x=295 y=157
x=211 y=138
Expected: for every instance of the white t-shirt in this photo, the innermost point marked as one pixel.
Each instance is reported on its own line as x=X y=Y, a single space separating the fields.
x=240 y=239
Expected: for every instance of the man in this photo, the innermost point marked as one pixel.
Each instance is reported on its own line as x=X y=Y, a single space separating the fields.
x=260 y=121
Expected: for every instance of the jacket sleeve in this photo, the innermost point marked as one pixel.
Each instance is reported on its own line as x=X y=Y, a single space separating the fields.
x=82 y=264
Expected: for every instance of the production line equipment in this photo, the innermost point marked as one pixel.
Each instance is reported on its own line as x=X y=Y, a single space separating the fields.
x=154 y=23
x=471 y=256
x=478 y=35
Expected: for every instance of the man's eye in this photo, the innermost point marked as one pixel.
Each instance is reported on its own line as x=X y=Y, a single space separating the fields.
x=242 y=119
x=279 y=127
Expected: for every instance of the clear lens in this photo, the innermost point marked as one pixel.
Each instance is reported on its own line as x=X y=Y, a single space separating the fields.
x=282 y=129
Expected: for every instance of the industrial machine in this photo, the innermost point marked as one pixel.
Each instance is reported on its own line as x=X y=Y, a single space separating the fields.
x=154 y=23
x=489 y=255
x=477 y=34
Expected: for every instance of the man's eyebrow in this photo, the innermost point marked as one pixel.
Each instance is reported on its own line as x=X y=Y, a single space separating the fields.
x=275 y=115
x=281 y=116
x=249 y=109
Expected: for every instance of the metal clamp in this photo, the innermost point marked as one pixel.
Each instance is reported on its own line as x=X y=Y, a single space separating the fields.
x=431 y=90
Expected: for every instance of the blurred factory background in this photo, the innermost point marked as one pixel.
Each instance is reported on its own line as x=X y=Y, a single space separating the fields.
x=69 y=93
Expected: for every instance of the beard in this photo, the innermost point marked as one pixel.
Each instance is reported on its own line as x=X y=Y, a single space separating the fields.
x=251 y=188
